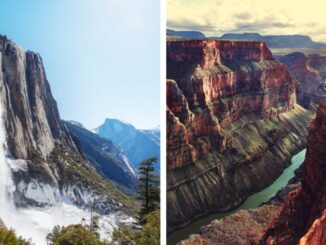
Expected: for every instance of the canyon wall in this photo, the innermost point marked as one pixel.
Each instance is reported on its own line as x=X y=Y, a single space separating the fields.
x=309 y=73
x=232 y=124
x=303 y=215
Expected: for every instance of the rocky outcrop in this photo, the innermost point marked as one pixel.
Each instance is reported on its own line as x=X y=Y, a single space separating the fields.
x=32 y=118
x=310 y=87
x=316 y=233
x=242 y=228
x=318 y=62
x=44 y=159
x=137 y=144
x=106 y=157
x=304 y=210
x=232 y=124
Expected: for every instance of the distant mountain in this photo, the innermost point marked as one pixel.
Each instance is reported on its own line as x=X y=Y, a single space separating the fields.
x=185 y=34
x=275 y=41
x=106 y=157
x=137 y=144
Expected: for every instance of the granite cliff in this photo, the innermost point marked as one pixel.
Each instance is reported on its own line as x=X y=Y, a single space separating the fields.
x=232 y=124
x=45 y=163
x=108 y=158
x=137 y=144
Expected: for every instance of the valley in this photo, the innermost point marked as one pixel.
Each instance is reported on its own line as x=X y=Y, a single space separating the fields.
x=55 y=172
x=237 y=114
x=252 y=202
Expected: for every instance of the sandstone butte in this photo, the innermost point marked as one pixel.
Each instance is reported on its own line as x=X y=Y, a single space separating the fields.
x=232 y=125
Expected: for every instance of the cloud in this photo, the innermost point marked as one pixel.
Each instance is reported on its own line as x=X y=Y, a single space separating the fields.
x=216 y=17
x=260 y=25
x=191 y=25
x=243 y=15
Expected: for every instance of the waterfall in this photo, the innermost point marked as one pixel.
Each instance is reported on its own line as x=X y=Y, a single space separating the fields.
x=36 y=223
x=7 y=186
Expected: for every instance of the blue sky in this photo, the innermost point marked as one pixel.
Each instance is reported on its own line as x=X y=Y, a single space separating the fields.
x=101 y=56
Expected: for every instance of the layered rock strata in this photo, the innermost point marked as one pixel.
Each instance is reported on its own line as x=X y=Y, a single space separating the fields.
x=310 y=86
x=303 y=214
x=232 y=124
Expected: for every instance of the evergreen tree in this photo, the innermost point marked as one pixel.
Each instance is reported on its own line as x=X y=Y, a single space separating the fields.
x=9 y=237
x=94 y=225
x=73 y=235
x=149 y=191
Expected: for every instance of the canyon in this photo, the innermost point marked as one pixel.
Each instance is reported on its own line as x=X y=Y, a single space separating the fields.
x=303 y=215
x=233 y=124
x=300 y=220
x=309 y=73
x=46 y=180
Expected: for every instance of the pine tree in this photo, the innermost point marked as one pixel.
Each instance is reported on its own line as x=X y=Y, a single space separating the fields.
x=149 y=192
x=94 y=221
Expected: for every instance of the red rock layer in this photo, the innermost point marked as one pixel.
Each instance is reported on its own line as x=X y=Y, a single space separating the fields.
x=310 y=85
x=317 y=232
x=307 y=204
x=212 y=84
x=242 y=228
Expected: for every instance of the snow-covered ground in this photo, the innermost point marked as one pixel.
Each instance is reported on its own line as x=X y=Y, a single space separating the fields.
x=36 y=223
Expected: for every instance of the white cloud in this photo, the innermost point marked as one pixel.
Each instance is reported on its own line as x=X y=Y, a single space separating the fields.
x=216 y=17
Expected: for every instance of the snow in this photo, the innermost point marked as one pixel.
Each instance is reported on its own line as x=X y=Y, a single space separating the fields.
x=128 y=164
x=42 y=193
x=78 y=124
x=17 y=165
x=35 y=222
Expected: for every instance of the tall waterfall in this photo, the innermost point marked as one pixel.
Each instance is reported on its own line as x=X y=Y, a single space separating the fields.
x=36 y=223
x=7 y=186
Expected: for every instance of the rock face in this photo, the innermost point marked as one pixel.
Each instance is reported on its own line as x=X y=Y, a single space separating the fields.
x=304 y=211
x=232 y=124
x=311 y=87
x=105 y=156
x=318 y=62
x=316 y=233
x=32 y=118
x=241 y=228
x=45 y=162
x=137 y=144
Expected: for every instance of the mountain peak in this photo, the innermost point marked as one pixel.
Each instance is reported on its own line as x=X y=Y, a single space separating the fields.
x=137 y=144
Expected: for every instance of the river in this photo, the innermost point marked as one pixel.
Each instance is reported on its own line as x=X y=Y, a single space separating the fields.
x=253 y=201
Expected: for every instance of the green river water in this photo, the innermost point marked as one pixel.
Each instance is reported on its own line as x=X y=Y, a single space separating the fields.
x=253 y=201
